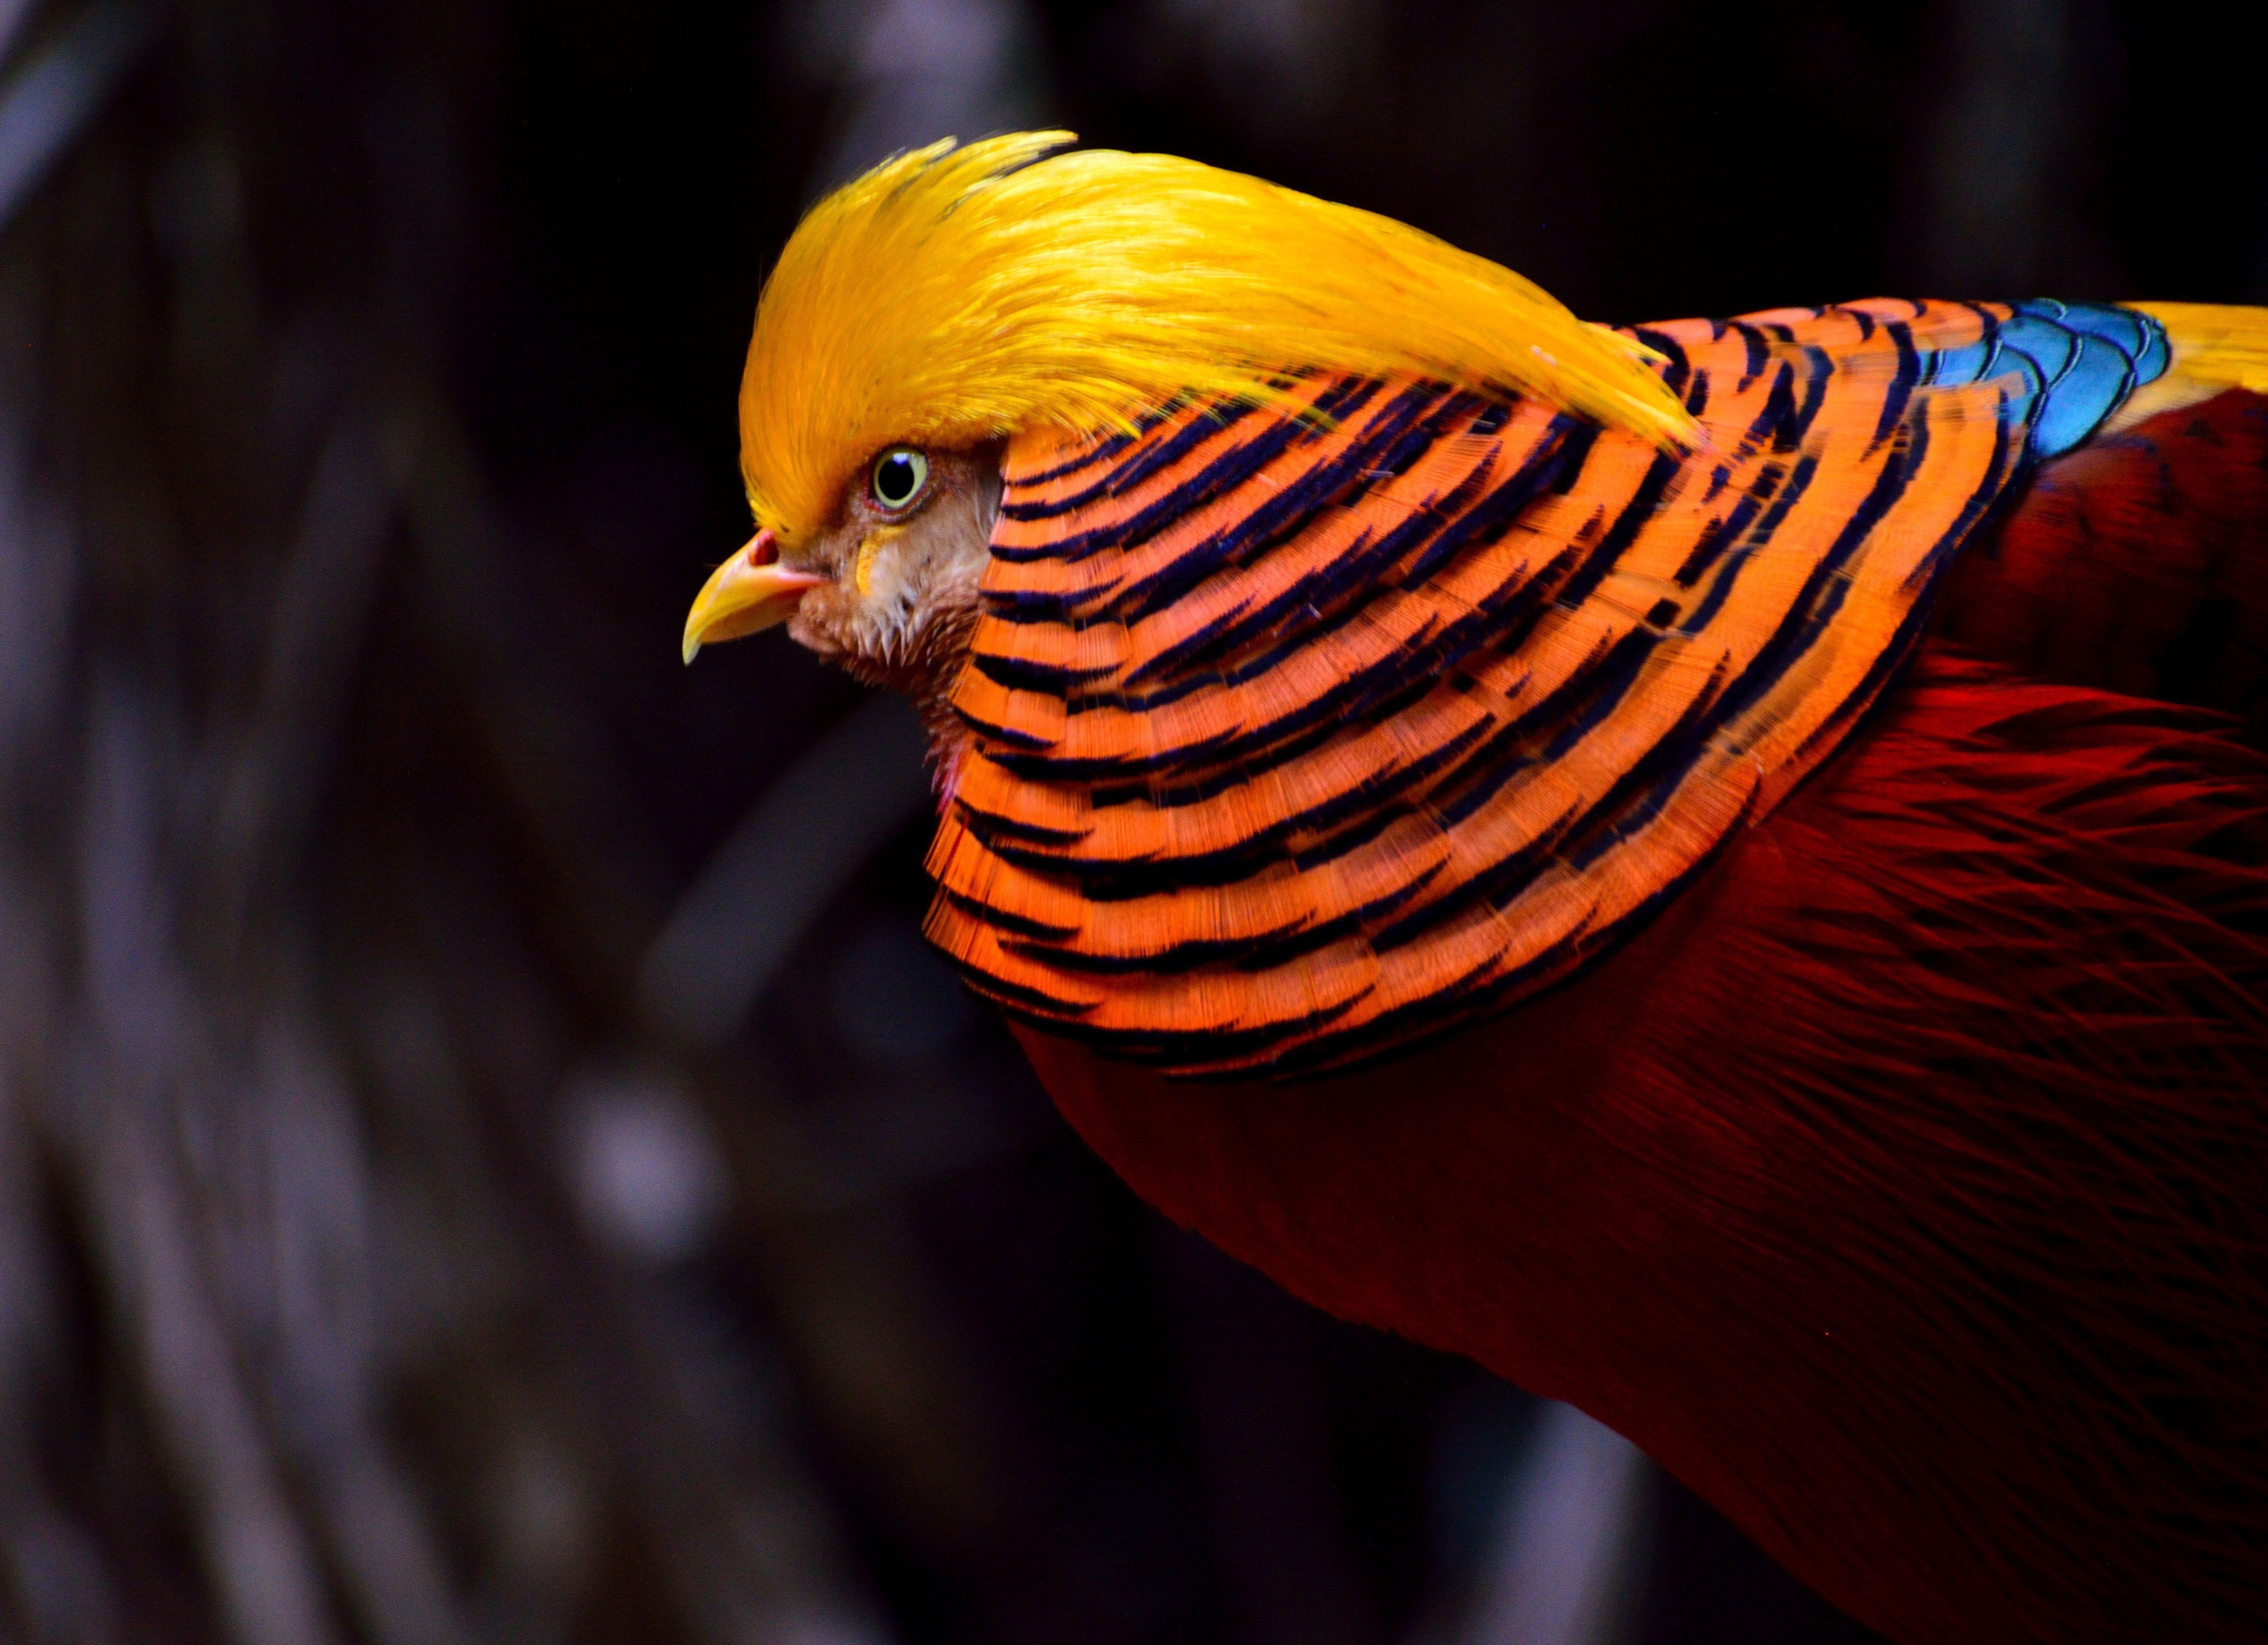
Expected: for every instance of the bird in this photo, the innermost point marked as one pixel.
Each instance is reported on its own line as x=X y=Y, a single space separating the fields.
x=1717 y=868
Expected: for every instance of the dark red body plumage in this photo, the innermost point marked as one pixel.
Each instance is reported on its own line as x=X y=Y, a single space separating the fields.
x=1903 y=1189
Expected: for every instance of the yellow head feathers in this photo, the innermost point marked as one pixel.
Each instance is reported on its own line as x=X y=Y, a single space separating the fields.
x=956 y=295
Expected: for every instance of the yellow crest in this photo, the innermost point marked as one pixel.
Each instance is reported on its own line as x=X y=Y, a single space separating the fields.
x=956 y=295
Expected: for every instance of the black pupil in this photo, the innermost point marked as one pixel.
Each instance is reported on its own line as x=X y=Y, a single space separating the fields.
x=894 y=480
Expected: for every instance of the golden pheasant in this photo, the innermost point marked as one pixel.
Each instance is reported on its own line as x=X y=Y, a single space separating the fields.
x=1715 y=867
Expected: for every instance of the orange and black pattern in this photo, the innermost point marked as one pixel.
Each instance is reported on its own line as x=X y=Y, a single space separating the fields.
x=1293 y=739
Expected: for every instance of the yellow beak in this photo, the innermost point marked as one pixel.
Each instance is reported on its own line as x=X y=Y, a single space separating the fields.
x=746 y=594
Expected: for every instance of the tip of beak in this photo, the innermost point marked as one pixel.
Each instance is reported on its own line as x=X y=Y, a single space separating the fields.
x=748 y=593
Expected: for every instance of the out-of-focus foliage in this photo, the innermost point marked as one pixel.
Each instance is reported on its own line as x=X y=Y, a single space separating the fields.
x=483 y=1154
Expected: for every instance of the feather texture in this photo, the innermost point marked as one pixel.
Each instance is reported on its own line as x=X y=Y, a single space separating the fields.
x=1294 y=737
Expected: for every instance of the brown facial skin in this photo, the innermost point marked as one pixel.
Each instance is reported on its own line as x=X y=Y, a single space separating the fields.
x=901 y=602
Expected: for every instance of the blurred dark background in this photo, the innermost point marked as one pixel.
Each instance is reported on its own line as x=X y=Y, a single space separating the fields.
x=483 y=1153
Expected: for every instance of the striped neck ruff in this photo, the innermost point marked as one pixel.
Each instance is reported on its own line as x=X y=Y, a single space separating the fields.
x=1293 y=741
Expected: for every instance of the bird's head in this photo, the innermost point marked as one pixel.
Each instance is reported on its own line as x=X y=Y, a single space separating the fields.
x=954 y=299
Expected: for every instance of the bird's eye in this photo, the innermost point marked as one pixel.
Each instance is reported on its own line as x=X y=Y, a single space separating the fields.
x=900 y=477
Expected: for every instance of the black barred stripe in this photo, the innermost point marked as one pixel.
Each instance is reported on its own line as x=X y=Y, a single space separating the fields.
x=1714 y=540
x=1018 y=761
x=1101 y=450
x=1779 y=406
x=1458 y=406
x=1346 y=841
x=1790 y=421
x=1324 y=933
x=1894 y=655
x=1372 y=791
x=1550 y=469
x=1991 y=340
x=1518 y=617
x=1006 y=734
x=1178 y=961
x=1646 y=788
x=1104 y=879
x=1118 y=482
x=1495 y=763
x=992 y=826
x=1679 y=369
x=1243 y=624
x=1224 y=474
x=1759 y=354
x=1611 y=682
x=1353 y=579
x=1345 y=478
x=1553 y=467
x=1390 y=1034
x=1055 y=679
x=1902 y=385
x=1110 y=445
x=1202 y=785
x=1825 y=590
x=1500 y=880
x=1640 y=508
x=1427 y=657
x=1035 y=606
x=1720 y=590
x=1216 y=420
x=1231 y=468
x=1205 y=786
x=1579 y=700
x=1815 y=395
x=1673 y=759
x=1975 y=509
x=1034 y=1006
x=1604 y=682
x=1001 y=920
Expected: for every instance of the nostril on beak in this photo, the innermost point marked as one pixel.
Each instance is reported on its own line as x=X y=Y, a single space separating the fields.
x=764 y=549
